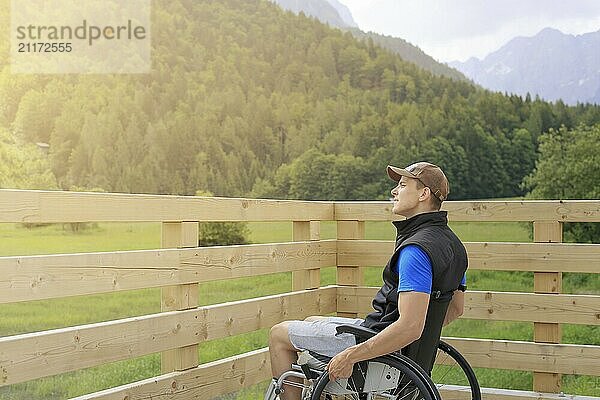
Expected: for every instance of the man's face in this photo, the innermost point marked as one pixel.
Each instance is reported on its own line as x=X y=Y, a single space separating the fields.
x=406 y=197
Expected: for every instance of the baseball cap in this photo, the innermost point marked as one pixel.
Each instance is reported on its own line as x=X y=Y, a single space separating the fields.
x=429 y=174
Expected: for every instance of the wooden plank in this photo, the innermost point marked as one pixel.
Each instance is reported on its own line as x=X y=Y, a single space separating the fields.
x=547 y=282
x=529 y=210
x=547 y=231
x=364 y=252
x=454 y=392
x=311 y=278
x=53 y=276
x=228 y=319
x=349 y=275
x=252 y=260
x=355 y=300
x=180 y=297
x=499 y=306
x=179 y=235
x=528 y=356
x=547 y=332
x=35 y=355
x=537 y=257
x=207 y=381
x=548 y=382
x=545 y=308
x=56 y=206
x=542 y=257
x=451 y=392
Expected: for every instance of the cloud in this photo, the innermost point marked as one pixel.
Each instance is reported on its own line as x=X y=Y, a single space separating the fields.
x=457 y=29
x=465 y=18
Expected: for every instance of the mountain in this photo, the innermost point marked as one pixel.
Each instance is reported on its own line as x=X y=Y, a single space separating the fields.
x=410 y=53
x=331 y=12
x=337 y=14
x=344 y=12
x=550 y=64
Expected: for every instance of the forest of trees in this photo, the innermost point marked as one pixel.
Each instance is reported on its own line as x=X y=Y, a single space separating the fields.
x=568 y=167
x=247 y=100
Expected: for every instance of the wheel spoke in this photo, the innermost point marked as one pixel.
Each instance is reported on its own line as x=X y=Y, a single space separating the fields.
x=384 y=378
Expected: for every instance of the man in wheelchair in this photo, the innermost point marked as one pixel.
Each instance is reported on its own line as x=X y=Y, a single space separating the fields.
x=423 y=290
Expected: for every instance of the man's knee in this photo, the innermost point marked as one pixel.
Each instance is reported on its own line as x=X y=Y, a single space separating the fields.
x=279 y=333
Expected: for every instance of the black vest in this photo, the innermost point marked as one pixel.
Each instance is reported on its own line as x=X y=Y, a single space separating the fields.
x=448 y=258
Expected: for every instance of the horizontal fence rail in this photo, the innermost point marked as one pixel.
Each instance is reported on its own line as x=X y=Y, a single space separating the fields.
x=205 y=382
x=35 y=355
x=178 y=271
x=528 y=356
x=479 y=211
x=57 y=207
x=54 y=276
x=26 y=278
x=542 y=257
x=498 y=306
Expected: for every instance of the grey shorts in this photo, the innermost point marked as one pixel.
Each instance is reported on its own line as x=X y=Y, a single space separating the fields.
x=320 y=336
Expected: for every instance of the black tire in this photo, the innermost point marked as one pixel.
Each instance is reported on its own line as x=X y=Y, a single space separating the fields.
x=397 y=378
x=453 y=372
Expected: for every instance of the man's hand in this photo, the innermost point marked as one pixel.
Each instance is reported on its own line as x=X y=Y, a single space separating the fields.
x=340 y=366
x=413 y=310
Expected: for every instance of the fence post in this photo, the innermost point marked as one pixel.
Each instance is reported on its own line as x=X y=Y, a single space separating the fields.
x=180 y=297
x=547 y=282
x=350 y=275
x=310 y=278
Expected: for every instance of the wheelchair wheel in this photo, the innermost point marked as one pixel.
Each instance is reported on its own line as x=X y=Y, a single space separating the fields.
x=453 y=375
x=386 y=377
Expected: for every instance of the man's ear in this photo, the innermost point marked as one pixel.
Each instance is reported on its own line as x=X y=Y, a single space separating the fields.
x=426 y=194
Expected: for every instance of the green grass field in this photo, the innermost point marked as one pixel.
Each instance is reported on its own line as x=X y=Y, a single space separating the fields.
x=40 y=315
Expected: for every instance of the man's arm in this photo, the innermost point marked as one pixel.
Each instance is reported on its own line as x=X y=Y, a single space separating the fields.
x=456 y=307
x=408 y=328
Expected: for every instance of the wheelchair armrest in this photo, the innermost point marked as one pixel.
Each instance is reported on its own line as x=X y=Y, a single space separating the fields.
x=359 y=331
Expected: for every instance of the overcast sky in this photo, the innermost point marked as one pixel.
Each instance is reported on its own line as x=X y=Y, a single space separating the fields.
x=451 y=30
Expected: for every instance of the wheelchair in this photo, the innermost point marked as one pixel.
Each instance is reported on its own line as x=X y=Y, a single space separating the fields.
x=393 y=376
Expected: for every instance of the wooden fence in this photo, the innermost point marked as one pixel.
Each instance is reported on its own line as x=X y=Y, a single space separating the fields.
x=179 y=266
